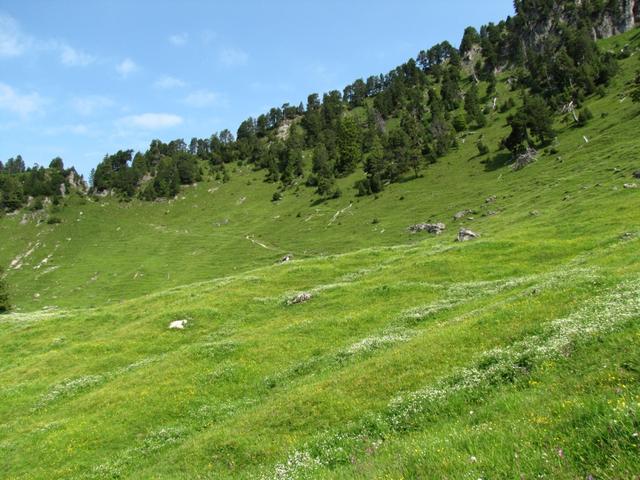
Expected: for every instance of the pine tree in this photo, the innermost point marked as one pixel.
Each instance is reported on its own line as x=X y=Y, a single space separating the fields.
x=375 y=166
x=323 y=169
x=349 y=146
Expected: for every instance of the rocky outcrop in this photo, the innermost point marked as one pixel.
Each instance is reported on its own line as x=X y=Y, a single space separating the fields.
x=607 y=20
x=433 y=228
x=463 y=213
x=300 y=298
x=524 y=159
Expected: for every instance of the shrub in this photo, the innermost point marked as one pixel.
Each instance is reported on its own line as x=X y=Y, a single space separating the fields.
x=4 y=295
x=584 y=115
x=277 y=196
x=482 y=148
x=54 y=220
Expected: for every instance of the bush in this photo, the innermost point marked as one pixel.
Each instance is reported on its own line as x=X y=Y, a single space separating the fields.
x=54 y=220
x=277 y=196
x=584 y=115
x=460 y=123
x=4 y=295
x=482 y=148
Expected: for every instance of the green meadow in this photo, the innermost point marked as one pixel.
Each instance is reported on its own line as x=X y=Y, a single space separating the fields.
x=515 y=355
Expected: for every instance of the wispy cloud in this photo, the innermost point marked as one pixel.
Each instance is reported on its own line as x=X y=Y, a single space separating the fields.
x=13 y=42
x=151 y=121
x=71 y=57
x=167 y=82
x=126 y=67
x=179 y=39
x=22 y=104
x=208 y=36
x=90 y=104
x=233 y=57
x=74 y=129
x=203 y=98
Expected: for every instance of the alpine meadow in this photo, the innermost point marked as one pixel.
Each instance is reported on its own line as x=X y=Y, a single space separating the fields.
x=433 y=273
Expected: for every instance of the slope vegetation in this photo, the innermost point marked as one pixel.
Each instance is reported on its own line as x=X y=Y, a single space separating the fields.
x=514 y=355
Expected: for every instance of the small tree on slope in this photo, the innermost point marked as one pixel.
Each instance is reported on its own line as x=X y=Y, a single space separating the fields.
x=4 y=295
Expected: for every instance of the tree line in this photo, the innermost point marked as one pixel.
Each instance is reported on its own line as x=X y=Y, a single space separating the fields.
x=19 y=184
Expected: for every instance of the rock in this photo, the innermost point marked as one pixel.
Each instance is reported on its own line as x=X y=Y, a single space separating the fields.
x=465 y=235
x=300 y=298
x=524 y=159
x=434 y=228
x=490 y=199
x=178 y=325
x=630 y=185
x=286 y=258
x=461 y=214
x=534 y=213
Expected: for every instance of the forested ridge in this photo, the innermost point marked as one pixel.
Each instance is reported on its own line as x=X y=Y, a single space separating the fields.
x=389 y=126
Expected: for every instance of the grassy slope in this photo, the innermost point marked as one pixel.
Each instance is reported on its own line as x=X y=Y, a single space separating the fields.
x=416 y=358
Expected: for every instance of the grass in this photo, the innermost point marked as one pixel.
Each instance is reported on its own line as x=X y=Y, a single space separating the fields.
x=515 y=355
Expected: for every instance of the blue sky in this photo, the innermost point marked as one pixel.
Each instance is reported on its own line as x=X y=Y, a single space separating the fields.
x=80 y=79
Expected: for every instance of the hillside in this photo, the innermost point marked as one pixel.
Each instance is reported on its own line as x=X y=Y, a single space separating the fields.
x=512 y=355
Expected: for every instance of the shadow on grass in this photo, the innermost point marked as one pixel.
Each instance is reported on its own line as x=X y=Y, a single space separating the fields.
x=499 y=160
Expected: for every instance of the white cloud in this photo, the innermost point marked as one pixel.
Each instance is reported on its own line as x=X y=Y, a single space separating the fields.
x=90 y=104
x=151 y=121
x=167 y=81
x=126 y=67
x=179 y=39
x=233 y=57
x=203 y=98
x=13 y=42
x=74 y=58
x=22 y=104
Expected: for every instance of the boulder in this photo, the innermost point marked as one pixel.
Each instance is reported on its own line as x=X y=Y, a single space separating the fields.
x=178 y=325
x=434 y=228
x=465 y=235
x=490 y=199
x=630 y=185
x=462 y=213
x=286 y=258
x=300 y=298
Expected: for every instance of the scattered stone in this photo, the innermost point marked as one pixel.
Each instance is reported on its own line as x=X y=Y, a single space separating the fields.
x=462 y=213
x=490 y=199
x=286 y=258
x=178 y=325
x=524 y=159
x=300 y=298
x=630 y=185
x=434 y=228
x=627 y=236
x=491 y=213
x=465 y=235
